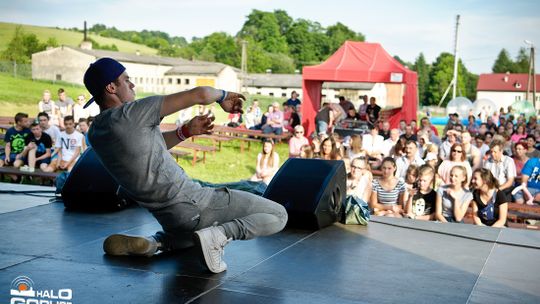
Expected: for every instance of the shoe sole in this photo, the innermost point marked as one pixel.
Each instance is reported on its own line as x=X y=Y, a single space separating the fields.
x=204 y=258
x=118 y=244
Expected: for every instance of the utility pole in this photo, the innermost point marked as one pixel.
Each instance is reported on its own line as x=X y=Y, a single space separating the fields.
x=243 y=65
x=453 y=82
x=532 y=74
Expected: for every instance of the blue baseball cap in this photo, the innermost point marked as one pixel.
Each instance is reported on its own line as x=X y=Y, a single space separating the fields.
x=99 y=74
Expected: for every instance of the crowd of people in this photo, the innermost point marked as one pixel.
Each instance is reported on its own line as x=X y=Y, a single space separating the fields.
x=54 y=140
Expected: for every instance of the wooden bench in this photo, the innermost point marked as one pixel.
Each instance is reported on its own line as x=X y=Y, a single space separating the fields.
x=214 y=138
x=178 y=153
x=196 y=148
x=243 y=133
x=37 y=173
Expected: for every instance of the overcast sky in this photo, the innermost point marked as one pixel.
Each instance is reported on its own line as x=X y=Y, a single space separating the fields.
x=404 y=28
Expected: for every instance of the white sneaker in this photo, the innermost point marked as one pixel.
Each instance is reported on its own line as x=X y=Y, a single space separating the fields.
x=24 y=168
x=120 y=244
x=31 y=169
x=212 y=242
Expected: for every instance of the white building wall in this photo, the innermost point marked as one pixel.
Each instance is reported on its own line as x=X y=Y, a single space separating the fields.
x=147 y=77
x=504 y=99
x=60 y=63
x=228 y=80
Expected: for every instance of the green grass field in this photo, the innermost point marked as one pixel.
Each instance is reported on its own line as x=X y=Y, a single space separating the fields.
x=65 y=37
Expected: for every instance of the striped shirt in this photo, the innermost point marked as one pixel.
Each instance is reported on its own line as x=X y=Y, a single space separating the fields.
x=388 y=197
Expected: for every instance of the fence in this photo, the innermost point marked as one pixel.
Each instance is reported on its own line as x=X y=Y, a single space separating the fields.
x=23 y=70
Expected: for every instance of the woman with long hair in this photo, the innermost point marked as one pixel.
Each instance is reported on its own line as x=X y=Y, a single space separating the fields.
x=453 y=199
x=359 y=179
x=329 y=151
x=355 y=147
x=267 y=163
x=521 y=133
x=387 y=191
x=520 y=158
x=457 y=158
x=490 y=206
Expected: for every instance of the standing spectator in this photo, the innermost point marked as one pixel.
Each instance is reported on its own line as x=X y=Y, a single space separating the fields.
x=453 y=199
x=78 y=109
x=387 y=191
x=457 y=158
x=38 y=149
x=360 y=179
x=345 y=104
x=324 y=119
x=420 y=199
x=274 y=121
x=68 y=147
x=15 y=141
x=352 y=115
x=490 y=206
x=520 y=158
x=362 y=110
x=411 y=157
x=501 y=166
x=373 y=110
x=297 y=141
x=472 y=153
x=48 y=106
x=329 y=150
x=65 y=106
x=267 y=163
x=294 y=101
x=451 y=139
x=48 y=128
x=531 y=144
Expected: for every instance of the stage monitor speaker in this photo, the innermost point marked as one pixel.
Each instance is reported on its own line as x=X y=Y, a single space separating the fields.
x=312 y=191
x=89 y=187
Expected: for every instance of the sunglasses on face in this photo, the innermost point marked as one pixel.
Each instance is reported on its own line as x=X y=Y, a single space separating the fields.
x=457 y=151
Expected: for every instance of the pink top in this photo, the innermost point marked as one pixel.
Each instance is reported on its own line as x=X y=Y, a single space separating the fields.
x=517 y=137
x=295 y=144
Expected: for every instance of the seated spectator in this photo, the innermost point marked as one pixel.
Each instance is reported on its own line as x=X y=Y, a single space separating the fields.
x=15 y=139
x=529 y=191
x=352 y=115
x=297 y=141
x=306 y=151
x=472 y=153
x=65 y=106
x=264 y=119
x=411 y=177
x=451 y=139
x=453 y=199
x=373 y=143
x=420 y=199
x=293 y=120
x=409 y=134
x=457 y=158
x=411 y=157
x=520 y=158
x=234 y=120
x=425 y=124
x=398 y=150
x=38 y=149
x=267 y=163
x=521 y=133
x=480 y=144
x=501 y=166
x=490 y=206
x=329 y=150
x=275 y=121
x=355 y=147
x=82 y=127
x=78 y=108
x=249 y=118
x=47 y=127
x=402 y=126
x=531 y=147
x=389 y=143
x=68 y=147
x=316 y=147
x=359 y=179
x=472 y=128
x=47 y=105
x=387 y=191
x=384 y=131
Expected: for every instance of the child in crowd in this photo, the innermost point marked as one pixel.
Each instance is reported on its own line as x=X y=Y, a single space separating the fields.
x=68 y=147
x=387 y=191
x=490 y=205
x=420 y=200
x=359 y=179
x=453 y=199
x=267 y=163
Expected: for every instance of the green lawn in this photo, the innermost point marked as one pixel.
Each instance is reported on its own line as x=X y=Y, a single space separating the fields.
x=65 y=37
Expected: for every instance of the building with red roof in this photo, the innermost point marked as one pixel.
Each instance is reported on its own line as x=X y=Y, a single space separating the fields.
x=505 y=89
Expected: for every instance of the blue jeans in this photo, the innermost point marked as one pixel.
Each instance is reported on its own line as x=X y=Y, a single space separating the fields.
x=322 y=127
x=243 y=216
x=268 y=129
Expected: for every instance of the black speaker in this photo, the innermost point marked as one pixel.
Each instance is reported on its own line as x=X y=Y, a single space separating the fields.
x=312 y=191
x=89 y=187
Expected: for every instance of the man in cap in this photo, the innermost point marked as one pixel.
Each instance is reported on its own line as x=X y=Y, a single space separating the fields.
x=127 y=139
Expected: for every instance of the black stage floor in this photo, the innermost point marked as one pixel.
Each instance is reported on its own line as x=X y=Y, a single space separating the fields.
x=389 y=261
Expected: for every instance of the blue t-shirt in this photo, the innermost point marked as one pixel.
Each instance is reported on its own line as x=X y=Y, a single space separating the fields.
x=532 y=170
x=17 y=139
x=293 y=102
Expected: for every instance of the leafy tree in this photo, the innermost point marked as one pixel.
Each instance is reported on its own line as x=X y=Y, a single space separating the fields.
x=52 y=42
x=263 y=27
x=339 y=33
x=301 y=42
x=281 y=63
x=422 y=69
x=284 y=21
x=522 y=61
x=22 y=46
x=441 y=76
x=503 y=63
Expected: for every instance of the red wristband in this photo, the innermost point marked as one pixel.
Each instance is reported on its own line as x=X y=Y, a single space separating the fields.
x=185 y=131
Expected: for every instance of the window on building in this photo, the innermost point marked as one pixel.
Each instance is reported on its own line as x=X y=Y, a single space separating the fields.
x=178 y=81
x=336 y=96
x=271 y=94
x=259 y=88
x=170 y=80
x=186 y=81
x=323 y=96
x=258 y=93
x=283 y=88
x=58 y=77
x=283 y=94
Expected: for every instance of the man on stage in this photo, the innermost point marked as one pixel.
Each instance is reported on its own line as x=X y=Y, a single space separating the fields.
x=127 y=139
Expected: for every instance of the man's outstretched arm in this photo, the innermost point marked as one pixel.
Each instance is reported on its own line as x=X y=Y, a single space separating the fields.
x=230 y=102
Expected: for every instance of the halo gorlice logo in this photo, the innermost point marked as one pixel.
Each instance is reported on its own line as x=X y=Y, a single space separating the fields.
x=22 y=292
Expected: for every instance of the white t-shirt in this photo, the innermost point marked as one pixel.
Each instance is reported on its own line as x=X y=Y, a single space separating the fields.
x=68 y=143
x=53 y=132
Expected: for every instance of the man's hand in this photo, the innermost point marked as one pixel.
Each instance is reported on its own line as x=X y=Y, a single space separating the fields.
x=233 y=102
x=202 y=124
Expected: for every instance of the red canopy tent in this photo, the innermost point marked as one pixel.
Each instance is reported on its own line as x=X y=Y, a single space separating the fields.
x=358 y=62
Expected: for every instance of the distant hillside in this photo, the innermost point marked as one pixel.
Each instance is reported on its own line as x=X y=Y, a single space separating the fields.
x=65 y=37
